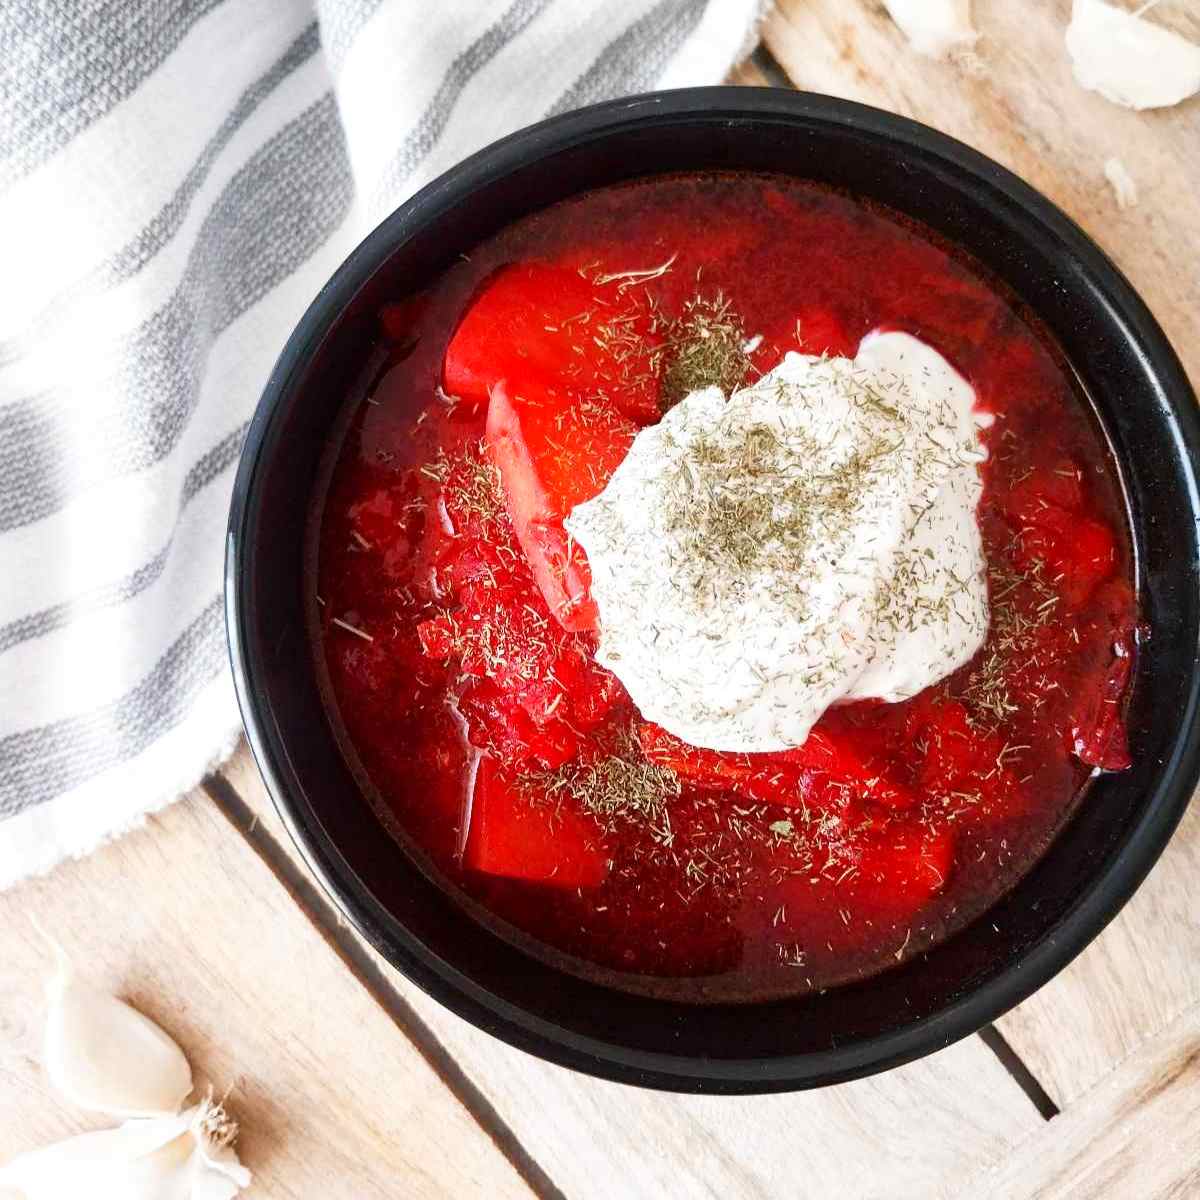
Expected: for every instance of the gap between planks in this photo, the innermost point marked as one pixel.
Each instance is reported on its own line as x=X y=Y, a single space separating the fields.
x=1018 y=102
x=762 y=69
x=351 y=948
x=937 y=1123
x=1133 y=1137
x=184 y=920
x=314 y=904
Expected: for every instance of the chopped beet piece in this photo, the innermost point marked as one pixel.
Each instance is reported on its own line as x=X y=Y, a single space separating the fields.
x=777 y=775
x=525 y=836
x=1079 y=553
x=820 y=332
x=518 y=330
x=540 y=328
x=1078 y=556
x=903 y=867
x=552 y=456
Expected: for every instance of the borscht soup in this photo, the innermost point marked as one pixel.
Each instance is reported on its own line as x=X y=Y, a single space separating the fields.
x=721 y=586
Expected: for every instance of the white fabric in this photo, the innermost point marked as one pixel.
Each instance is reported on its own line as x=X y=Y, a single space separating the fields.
x=176 y=183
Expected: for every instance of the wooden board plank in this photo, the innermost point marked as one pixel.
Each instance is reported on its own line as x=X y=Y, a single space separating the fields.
x=1137 y=977
x=917 y=1132
x=748 y=74
x=185 y=921
x=1135 y=1137
x=1024 y=109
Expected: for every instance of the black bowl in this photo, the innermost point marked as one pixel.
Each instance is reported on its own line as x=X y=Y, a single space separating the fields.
x=1147 y=410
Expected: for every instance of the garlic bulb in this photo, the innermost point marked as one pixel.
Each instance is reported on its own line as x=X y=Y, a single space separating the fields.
x=105 y=1056
x=1129 y=60
x=934 y=27
x=184 y=1157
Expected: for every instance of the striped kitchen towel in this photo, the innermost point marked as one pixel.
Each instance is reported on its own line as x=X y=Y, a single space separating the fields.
x=177 y=180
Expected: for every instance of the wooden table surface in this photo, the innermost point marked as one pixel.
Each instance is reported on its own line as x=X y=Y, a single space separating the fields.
x=351 y=1084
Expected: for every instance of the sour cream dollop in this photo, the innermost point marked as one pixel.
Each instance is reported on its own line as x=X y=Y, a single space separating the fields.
x=806 y=540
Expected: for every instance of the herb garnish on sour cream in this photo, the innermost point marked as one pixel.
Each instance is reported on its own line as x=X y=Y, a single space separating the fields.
x=807 y=540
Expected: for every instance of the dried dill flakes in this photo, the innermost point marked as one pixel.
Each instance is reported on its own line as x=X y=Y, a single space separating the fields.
x=707 y=842
x=471 y=482
x=509 y=643
x=790 y=955
x=627 y=279
x=986 y=695
x=622 y=335
x=481 y=494
x=350 y=627
x=758 y=506
x=439 y=469
x=705 y=346
x=621 y=786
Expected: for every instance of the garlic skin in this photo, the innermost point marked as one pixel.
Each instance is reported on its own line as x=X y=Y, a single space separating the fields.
x=1129 y=60
x=184 y=1157
x=1123 y=184
x=106 y=1057
x=934 y=27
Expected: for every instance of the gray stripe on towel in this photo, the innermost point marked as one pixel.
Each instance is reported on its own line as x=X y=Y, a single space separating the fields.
x=279 y=208
x=341 y=23
x=39 y=764
x=209 y=467
x=140 y=250
x=633 y=61
x=423 y=137
x=67 y=63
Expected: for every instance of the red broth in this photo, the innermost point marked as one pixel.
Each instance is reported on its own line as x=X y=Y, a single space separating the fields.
x=733 y=877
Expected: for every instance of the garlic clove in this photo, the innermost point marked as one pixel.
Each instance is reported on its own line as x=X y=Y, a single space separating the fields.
x=105 y=1056
x=1129 y=60
x=934 y=27
x=162 y=1158
x=142 y=1160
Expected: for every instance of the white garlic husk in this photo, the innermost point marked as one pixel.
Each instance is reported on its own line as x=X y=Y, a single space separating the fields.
x=934 y=28
x=106 y=1057
x=1123 y=184
x=183 y=1157
x=1128 y=59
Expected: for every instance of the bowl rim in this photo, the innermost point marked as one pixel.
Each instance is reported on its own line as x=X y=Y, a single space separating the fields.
x=1015 y=981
